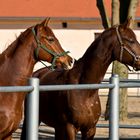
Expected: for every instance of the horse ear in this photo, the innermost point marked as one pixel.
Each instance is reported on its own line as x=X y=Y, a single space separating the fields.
x=45 y=22
x=128 y=22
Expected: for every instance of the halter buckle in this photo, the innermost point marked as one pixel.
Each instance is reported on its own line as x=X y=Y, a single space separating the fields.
x=137 y=58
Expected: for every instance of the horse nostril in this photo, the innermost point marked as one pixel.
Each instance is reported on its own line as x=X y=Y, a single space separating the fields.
x=72 y=61
x=69 y=64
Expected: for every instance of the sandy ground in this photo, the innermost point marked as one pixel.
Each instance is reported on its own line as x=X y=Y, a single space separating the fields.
x=133 y=119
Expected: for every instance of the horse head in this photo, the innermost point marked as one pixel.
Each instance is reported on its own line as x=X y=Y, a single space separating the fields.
x=129 y=53
x=48 y=47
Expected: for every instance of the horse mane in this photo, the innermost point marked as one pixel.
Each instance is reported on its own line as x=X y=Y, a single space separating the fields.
x=92 y=46
x=15 y=44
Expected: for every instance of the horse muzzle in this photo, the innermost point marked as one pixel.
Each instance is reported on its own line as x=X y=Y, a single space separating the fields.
x=136 y=65
x=65 y=63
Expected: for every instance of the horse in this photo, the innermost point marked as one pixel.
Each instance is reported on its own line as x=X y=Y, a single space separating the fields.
x=16 y=66
x=71 y=111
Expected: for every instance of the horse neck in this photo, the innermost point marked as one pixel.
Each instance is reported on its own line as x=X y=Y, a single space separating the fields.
x=96 y=60
x=19 y=58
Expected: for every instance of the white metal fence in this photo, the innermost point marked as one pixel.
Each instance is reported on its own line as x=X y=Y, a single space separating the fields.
x=33 y=101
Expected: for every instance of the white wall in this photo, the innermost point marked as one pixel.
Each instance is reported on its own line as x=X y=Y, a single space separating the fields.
x=75 y=41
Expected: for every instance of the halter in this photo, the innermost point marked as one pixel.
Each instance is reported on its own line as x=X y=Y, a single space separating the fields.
x=40 y=45
x=123 y=46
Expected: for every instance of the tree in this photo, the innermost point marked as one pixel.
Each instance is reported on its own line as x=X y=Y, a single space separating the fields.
x=121 y=10
x=105 y=20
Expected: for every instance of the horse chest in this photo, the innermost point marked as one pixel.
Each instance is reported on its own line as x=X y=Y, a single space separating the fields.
x=86 y=111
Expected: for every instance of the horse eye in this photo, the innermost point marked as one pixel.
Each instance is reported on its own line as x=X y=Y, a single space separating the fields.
x=50 y=38
x=131 y=40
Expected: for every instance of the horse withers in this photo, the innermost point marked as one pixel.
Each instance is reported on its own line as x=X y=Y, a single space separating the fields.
x=71 y=111
x=16 y=67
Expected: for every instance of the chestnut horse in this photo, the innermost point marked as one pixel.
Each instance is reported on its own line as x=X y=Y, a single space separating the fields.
x=71 y=111
x=16 y=67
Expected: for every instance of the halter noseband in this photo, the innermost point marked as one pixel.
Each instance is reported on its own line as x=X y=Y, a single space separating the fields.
x=123 y=46
x=40 y=45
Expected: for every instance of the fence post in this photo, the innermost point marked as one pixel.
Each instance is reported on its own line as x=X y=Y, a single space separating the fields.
x=114 y=109
x=32 y=113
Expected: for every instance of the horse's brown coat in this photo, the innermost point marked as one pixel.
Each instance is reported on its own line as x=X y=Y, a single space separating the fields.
x=79 y=110
x=16 y=67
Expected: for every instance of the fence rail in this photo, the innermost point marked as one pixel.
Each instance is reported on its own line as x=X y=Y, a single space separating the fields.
x=33 y=101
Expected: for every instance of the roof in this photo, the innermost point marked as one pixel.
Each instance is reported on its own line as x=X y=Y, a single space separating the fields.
x=53 y=8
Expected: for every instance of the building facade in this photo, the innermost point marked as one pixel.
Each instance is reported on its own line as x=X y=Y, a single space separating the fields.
x=74 y=22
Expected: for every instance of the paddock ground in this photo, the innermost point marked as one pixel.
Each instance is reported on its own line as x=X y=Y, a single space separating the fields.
x=45 y=133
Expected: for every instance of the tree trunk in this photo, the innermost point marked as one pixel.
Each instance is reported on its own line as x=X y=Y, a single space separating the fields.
x=132 y=10
x=122 y=71
x=115 y=12
x=125 y=11
x=116 y=65
x=102 y=10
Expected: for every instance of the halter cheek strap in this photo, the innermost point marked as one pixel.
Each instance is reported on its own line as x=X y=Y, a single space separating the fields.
x=40 y=45
x=136 y=57
x=123 y=47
